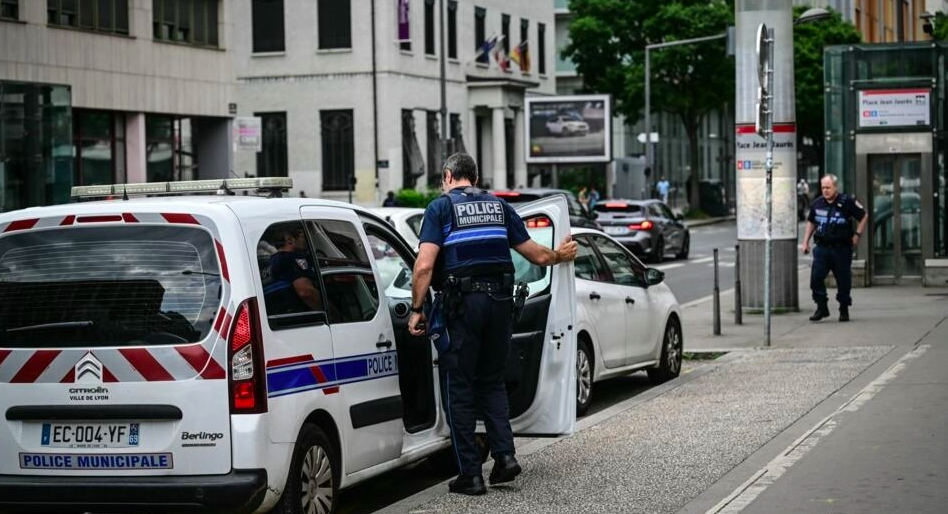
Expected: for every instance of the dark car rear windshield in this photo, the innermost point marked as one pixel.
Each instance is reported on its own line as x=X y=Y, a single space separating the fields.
x=617 y=207
x=107 y=286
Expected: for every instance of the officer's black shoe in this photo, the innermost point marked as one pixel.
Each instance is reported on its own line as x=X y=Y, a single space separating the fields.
x=469 y=485
x=844 y=313
x=822 y=311
x=505 y=469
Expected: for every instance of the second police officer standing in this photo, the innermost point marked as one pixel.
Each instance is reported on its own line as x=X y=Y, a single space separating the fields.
x=464 y=252
x=830 y=222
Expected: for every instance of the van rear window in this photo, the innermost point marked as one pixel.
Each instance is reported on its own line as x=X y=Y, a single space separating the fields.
x=107 y=286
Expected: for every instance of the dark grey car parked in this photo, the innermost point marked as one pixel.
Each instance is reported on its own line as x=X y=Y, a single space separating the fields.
x=646 y=227
x=578 y=215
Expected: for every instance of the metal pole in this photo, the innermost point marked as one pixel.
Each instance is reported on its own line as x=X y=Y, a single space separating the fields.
x=738 y=310
x=648 y=110
x=717 y=297
x=768 y=199
x=444 y=87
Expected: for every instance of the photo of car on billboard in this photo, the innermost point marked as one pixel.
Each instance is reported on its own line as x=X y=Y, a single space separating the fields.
x=569 y=129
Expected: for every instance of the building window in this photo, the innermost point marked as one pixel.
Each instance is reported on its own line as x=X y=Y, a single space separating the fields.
x=338 y=147
x=186 y=21
x=9 y=9
x=99 y=147
x=480 y=36
x=524 y=30
x=168 y=150
x=505 y=31
x=335 y=24
x=99 y=15
x=268 y=26
x=541 y=48
x=272 y=159
x=429 y=27
x=453 y=29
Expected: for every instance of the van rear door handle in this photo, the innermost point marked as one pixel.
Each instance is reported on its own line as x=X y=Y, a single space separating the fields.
x=594 y=296
x=383 y=343
x=629 y=300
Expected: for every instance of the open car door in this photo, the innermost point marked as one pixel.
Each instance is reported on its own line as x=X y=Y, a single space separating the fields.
x=541 y=367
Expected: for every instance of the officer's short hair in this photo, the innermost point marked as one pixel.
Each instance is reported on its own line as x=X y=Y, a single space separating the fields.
x=462 y=167
x=833 y=178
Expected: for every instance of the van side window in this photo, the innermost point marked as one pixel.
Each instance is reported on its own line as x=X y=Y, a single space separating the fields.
x=289 y=276
x=345 y=270
x=394 y=271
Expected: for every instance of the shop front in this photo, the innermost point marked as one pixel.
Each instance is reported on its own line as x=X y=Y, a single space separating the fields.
x=885 y=120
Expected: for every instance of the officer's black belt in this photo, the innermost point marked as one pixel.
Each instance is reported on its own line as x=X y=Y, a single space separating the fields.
x=485 y=285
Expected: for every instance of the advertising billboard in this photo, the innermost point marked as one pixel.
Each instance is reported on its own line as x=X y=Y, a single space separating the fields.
x=569 y=129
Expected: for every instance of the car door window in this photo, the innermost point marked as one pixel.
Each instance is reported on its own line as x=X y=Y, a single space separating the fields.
x=345 y=270
x=394 y=271
x=280 y=265
x=587 y=264
x=621 y=264
x=666 y=211
x=655 y=212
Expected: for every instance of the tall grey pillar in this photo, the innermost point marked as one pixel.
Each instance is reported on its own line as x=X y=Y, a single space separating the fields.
x=520 y=161
x=499 y=147
x=749 y=163
x=136 y=153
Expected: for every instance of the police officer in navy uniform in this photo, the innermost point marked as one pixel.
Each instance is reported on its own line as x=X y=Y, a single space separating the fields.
x=293 y=273
x=830 y=222
x=465 y=240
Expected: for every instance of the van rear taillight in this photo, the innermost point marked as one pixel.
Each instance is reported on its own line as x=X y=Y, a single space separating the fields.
x=248 y=387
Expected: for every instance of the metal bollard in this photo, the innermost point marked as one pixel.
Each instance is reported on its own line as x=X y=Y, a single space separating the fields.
x=738 y=310
x=717 y=297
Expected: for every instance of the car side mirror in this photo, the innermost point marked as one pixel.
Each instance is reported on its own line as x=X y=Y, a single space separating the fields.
x=654 y=276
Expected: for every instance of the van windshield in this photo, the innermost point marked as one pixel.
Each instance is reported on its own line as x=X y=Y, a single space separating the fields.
x=107 y=286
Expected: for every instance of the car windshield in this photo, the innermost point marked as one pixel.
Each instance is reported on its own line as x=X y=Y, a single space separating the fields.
x=617 y=207
x=107 y=286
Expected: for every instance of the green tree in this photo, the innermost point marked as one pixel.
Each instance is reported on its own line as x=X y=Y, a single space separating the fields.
x=607 y=43
x=940 y=23
x=809 y=39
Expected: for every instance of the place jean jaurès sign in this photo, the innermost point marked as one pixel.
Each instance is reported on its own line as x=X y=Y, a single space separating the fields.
x=894 y=107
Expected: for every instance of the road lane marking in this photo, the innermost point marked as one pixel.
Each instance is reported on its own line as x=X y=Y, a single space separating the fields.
x=665 y=267
x=702 y=261
x=741 y=497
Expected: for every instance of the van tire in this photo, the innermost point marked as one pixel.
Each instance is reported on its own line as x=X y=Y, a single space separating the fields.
x=313 y=451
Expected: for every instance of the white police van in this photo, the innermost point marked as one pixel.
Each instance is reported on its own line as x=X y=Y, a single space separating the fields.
x=147 y=363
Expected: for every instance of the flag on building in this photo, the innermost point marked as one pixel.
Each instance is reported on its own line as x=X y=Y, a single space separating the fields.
x=521 y=55
x=501 y=56
x=486 y=47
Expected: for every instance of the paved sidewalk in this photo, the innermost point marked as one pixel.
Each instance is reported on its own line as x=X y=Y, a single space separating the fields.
x=686 y=445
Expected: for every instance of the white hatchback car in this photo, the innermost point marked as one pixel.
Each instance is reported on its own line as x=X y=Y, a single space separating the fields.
x=627 y=319
x=406 y=220
x=154 y=356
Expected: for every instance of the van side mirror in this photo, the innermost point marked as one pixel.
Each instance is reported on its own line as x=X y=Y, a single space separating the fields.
x=654 y=276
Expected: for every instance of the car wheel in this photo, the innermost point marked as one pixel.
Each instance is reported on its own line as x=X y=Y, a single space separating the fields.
x=658 y=253
x=685 y=248
x=669 y=366
x=312 y=483
x=584 y=377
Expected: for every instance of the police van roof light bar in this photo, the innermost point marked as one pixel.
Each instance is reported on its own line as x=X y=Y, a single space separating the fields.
x=274 y=186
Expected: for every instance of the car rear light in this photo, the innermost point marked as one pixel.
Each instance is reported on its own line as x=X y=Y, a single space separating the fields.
x=248 y=381
x=645 y=225
x=616 y=205
x=541 y=222
x=506 y=193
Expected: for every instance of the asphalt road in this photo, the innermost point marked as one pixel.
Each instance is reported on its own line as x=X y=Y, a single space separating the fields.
x=693 y=278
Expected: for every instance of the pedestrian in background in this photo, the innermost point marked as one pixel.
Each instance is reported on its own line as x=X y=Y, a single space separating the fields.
x=830 y=221
x=583 y=197
x=468 y=257
x=390 y=200
x=663 y=187
x=593 y=196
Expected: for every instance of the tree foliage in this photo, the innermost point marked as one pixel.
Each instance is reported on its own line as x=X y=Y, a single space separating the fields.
x=607 y=43
x=809 y=39
x=940 y=23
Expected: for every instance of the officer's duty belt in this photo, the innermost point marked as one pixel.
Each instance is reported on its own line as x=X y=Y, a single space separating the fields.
x=482 y=285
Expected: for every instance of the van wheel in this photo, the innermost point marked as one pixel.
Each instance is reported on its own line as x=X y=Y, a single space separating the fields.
x=311 y=485
x=584 y=377
x=670 y=364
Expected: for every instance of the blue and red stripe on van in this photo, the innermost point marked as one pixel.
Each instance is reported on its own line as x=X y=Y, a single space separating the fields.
x=302 y=373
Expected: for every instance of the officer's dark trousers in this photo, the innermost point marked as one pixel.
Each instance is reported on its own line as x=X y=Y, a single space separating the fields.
x=472 y=377
x=839 y=260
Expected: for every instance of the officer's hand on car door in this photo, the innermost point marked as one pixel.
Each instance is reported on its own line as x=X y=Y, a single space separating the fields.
x=567 y=249
x=416 y=324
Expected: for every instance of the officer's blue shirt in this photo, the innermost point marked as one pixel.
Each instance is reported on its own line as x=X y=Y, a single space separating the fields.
x=438 y=218
x=285 y=268
x=833 y=220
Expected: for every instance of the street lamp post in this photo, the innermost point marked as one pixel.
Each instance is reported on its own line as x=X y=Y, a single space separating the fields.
x=444 y=88
x=648 y=86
